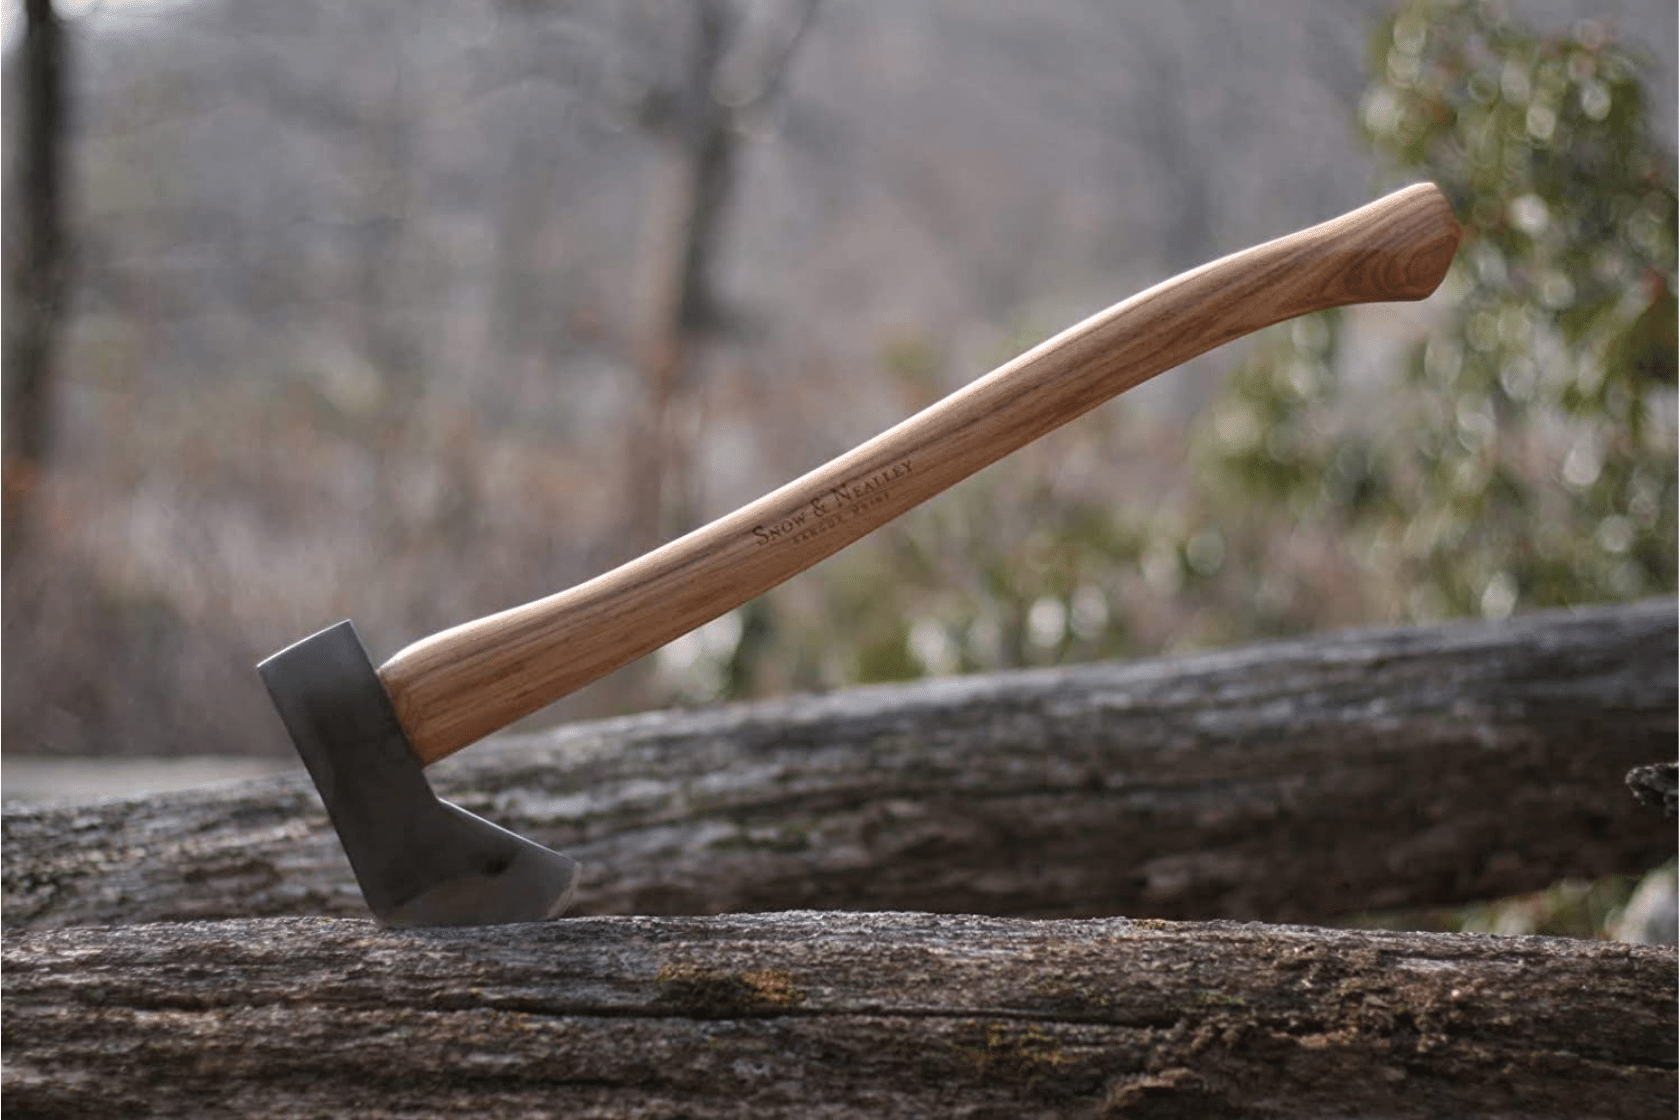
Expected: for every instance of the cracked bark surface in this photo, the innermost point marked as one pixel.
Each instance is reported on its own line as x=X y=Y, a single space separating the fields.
x=1290 y=781
x=832 y=1015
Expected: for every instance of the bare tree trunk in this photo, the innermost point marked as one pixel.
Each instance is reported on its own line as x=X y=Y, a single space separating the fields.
x=37 y=267
x=700 y=125
x=1293 y=781
x=700 y=131
x=832 y=1015
x=697 y=140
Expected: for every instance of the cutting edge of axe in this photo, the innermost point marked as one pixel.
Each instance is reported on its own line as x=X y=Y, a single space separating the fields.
x=365 y=734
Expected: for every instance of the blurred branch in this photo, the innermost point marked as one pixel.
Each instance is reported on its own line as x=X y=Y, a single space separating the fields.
x=773 y=69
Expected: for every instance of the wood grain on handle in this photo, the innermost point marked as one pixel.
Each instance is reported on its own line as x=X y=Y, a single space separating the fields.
x=457 y=686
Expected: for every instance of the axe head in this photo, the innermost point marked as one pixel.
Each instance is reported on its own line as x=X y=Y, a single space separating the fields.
x=420 y=861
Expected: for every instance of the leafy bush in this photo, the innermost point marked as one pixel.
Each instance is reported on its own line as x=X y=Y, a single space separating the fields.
x=1527 y=456
x=1520 y=453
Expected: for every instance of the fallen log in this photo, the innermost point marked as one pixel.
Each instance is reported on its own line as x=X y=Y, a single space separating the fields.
x=1287 y=781
x=831 y=1015
x=1282 y=781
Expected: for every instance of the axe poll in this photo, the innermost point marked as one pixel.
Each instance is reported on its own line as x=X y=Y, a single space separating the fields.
x=365 y=733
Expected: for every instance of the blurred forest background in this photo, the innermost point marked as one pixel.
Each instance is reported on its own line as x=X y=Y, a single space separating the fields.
x=409 y=312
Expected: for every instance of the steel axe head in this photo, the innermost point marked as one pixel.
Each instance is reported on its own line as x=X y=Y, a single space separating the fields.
x=420 y=861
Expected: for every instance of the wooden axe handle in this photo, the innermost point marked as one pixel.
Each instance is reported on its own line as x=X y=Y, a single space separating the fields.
x=457 y=686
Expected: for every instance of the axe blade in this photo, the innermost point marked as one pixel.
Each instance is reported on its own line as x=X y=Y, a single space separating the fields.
x=420 y=861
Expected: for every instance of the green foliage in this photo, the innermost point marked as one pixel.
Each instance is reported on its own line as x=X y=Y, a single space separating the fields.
x=1527 y=456
x=1002 y=573
x=1520 y=453
x=1587 y=908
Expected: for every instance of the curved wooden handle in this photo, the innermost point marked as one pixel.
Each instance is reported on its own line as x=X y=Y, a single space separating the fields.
x=457 y=686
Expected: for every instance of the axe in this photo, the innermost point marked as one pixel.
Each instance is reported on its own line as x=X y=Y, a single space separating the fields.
x=365 y=733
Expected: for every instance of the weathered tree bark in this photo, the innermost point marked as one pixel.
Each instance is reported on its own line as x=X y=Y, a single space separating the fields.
x=1656 y=785
x=832 y=1015
x=1292 y=781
